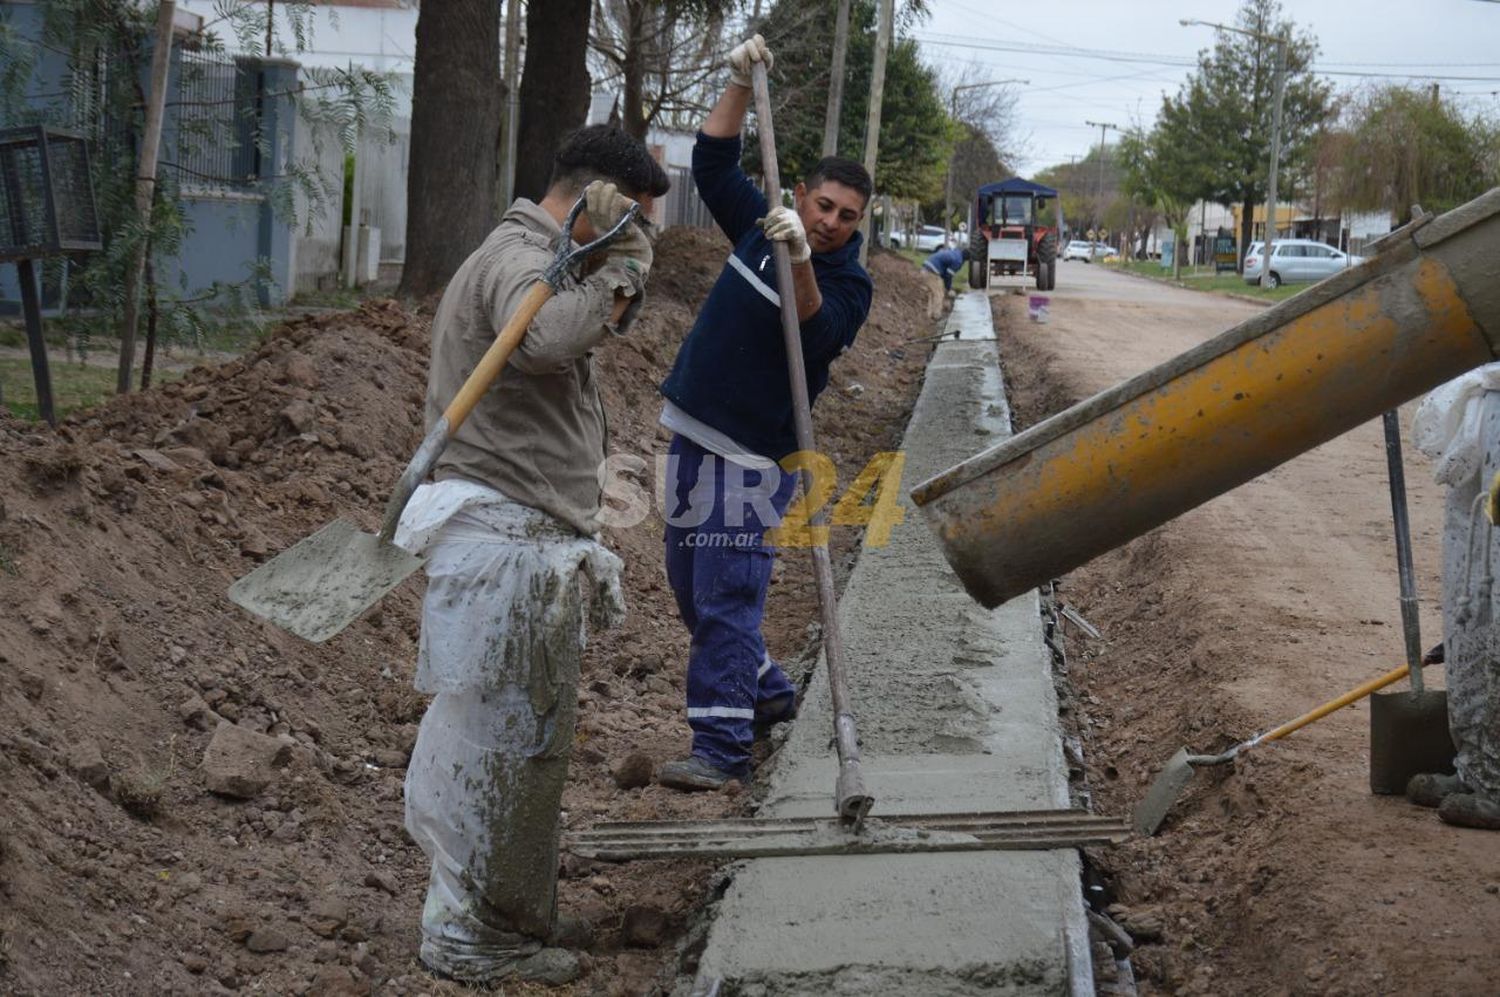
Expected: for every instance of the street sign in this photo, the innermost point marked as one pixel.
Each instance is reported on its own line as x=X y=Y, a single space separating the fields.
x=1226 y=257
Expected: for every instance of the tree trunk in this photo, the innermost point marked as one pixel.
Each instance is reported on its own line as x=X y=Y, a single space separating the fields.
x=455 y=125
x=632 y=96
x=554 y=88
x=1247 y=232
x=148 y=362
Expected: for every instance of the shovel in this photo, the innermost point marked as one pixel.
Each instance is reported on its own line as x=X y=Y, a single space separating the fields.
x=1178 y=771
x=319 y=586
x=1408 y=730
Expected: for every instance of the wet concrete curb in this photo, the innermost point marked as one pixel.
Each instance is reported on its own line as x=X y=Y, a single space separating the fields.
x=956 y=713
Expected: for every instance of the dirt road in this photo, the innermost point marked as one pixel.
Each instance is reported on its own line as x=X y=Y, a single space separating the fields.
x=1285 y=875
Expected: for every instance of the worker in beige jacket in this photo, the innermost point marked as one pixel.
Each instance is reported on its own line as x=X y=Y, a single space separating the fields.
x=514 y=568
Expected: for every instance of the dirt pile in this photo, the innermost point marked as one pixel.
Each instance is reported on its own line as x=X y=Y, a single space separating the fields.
x=1279 y=873
x=196 y=801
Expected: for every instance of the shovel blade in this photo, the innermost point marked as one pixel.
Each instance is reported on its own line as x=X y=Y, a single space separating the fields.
x=1408 y=735
x=1152 y=810
x=323 y=583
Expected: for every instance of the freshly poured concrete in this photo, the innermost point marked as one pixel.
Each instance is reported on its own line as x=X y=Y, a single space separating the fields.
x=956 y=712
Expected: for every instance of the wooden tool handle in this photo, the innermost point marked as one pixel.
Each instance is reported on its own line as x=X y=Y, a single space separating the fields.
x=851 y=800
x=495 y=357
x=1394 y=675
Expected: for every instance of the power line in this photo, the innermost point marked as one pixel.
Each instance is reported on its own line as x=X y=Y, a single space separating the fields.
x=1109 y=55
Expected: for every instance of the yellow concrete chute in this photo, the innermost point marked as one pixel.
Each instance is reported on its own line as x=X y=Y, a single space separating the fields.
x=1423 y=310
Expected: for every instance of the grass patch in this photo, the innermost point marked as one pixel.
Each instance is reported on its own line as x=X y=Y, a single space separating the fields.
x=141 y=790
x=74 y=386
x=338 y=297
x=1227 y=283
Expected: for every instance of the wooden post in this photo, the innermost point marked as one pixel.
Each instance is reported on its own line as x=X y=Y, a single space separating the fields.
x=877 y=95
x=836 y=81
x=145 y=187
x=41 y=373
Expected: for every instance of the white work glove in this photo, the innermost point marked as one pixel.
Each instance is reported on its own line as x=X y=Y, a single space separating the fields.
x=783 y=225
x=742 y=55
x=627 y=260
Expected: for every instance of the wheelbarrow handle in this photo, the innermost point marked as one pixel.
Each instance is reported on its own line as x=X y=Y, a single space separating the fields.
x=493 y=361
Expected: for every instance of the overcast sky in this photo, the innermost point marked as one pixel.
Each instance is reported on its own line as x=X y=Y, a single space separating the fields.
x=1138 y=51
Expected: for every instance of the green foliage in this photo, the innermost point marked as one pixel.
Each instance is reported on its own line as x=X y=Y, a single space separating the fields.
x=1224 y=110
x=916 y=134
x=1404 y=145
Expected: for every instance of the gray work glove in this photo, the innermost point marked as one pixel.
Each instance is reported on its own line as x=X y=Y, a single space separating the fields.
x=626 y=261
x=783 y=224
x=741 y=57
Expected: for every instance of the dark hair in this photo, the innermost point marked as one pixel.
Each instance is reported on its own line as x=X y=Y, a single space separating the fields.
x=604 y=152
x=844 y=171
x=965 y=255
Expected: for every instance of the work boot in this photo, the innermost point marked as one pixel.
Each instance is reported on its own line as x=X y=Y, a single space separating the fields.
x=1429 y=789
x=1471 y=810
x=691 y=774
x=570 y=931
x=551 y=966
x=773 y=712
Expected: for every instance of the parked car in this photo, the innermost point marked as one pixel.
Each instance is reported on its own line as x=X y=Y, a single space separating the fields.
x=1081 y=249
x=927 y=239
x=1296 y=261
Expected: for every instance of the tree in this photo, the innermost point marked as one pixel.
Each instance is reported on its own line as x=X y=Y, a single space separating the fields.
x=975 y=163
x=1162 y=171
x=661 y=53
x=1402 y=145
x=915 y=136
x=554 y=88
x=455 y=127
x=1226 y=106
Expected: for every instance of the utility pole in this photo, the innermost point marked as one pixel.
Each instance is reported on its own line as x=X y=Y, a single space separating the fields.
x=512 y=102
x=1265 y=270
x=1103 y=126
x=836 y=80
x=953 y=114
x=877 y=95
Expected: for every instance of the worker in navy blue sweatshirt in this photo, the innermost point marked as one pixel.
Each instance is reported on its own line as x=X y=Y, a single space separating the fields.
x=729 y=407
x=937 y=273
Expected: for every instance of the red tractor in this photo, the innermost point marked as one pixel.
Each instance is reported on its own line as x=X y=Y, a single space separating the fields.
x=1008 y=243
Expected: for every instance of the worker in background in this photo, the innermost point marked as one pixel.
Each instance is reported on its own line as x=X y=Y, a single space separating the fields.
x=1458 y=425
x=729 y=407
x=937 y=277
x=515 y=569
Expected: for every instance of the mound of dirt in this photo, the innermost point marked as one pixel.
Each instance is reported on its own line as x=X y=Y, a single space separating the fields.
x=197 y=801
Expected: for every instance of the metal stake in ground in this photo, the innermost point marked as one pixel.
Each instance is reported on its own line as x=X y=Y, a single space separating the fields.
x=851 y=800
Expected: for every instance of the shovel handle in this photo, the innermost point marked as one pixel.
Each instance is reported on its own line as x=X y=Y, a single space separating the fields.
x=1357 y=693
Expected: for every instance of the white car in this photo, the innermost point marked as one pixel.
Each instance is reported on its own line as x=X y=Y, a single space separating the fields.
x=1296 y=261
x=927 y=239
x=1080 y=249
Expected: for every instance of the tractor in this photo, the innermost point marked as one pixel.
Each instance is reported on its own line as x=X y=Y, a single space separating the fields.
x=1008 y=244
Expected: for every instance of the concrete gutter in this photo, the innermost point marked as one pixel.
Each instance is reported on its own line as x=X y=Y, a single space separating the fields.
x=956 y=713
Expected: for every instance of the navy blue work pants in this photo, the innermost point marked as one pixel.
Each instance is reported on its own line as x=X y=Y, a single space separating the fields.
x=719 y=567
